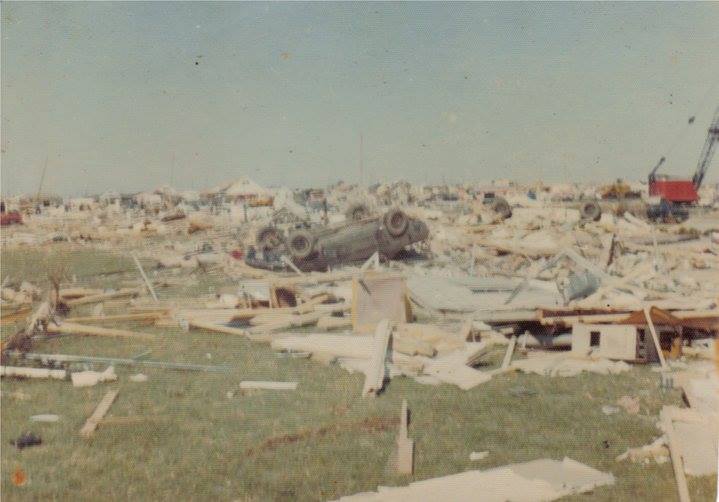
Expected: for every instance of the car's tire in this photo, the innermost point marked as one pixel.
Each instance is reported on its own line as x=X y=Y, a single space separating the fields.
x=591 y=211
x=301 y=244
x=501 y=207
x=396 y=222
x=268 y=237
x=357 y=211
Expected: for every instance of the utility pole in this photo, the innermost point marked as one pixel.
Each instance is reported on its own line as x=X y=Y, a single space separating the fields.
x=42 y=180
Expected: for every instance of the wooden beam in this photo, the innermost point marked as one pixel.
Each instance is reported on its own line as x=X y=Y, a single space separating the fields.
x=145 y=316
x=655 y=337
x=374 y=380
x=102 y=297
x=144 y=277
x=508 y=355
x=32 y=372
x=676 y=455
x=405 y=446
x=69 y=328
x=102 y=408
x=218 y=328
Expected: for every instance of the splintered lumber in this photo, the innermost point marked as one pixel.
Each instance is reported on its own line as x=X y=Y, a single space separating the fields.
x=144 y=277
x=332 y=308
x=405 y=446
x=270 y=318
x=508 y=355
x=116 y=361
x=73 y=293
x=69 y=328
x=655 y=337
x=676 y=456
x=310 y=304
x=314 y=278
x=14 y=313
x=293 y=321
x=376 y=369
x=412 y=346
x=102 y=408
x=144 y=316
x=249 y=384
x=32 y=372
x=219 y=328
x=21 y=339
x=607 y=250
x=330 y=322
x=102 y=297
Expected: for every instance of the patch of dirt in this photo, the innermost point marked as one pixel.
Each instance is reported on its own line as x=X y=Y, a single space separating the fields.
x=368 y=424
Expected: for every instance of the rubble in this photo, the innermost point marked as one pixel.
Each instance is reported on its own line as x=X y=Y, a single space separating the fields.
x=478 y=291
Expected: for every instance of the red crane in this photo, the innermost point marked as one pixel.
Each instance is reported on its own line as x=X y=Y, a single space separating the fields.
x=683 y=190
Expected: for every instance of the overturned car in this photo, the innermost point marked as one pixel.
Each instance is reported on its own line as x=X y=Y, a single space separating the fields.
x=316 y=248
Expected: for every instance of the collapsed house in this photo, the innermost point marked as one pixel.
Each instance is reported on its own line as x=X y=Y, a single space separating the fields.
x=472 y=295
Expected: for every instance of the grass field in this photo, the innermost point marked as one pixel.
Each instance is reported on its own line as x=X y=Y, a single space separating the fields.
x=202 y=438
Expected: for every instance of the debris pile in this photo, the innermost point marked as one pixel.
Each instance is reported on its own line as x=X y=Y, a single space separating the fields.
x=443 y=285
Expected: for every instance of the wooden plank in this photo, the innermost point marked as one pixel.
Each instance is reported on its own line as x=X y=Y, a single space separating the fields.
x=677 y=461
x=570 y=320
x=218 y=328
x=82 y=329
x=413 y=346
x=145 y=316
x=607 y=253
x=648 y=317
x=508 y=355
x=102 y=408
x=330 y=322
x=144 y=277
x=32 y=372
x=374 y=380
x=73 y=293
x=314 y=278
x=405 y=446
x=102 y=297
x=294 y=321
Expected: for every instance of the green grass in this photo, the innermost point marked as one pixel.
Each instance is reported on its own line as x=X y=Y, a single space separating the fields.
x=316 y=443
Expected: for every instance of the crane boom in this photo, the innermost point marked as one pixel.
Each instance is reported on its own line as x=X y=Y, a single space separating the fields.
x=705 y=157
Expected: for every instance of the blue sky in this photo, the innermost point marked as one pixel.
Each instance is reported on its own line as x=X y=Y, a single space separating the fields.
x=131 y=96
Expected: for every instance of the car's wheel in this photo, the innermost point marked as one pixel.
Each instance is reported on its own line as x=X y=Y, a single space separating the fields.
x=301 y=244
x=357 y=211
x=268 y=237
x=501 y=207
x=591 y=211
x=396 y=222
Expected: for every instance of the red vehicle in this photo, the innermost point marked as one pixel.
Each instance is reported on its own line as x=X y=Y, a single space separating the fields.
x=683 y=190
x=13 y=217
